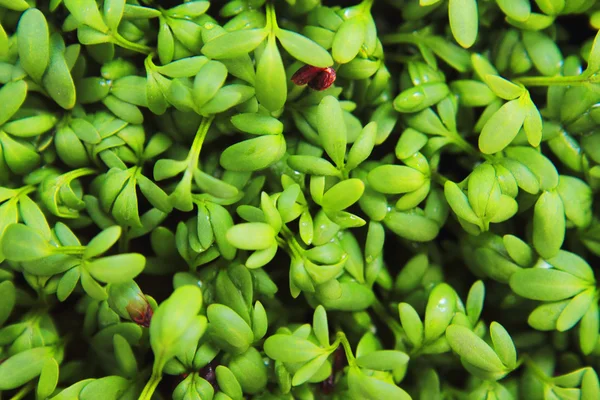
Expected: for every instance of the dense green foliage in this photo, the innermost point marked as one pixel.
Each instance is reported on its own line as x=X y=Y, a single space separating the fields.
x=180 y=219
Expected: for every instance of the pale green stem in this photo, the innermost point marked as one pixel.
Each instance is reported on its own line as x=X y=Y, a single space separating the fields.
x=70 y=250
x=194 y=154
x=150 y=386
x=535 y=369
x=385 y=317
x=23 y=392
x=341 y=338
x=536 y=81
x=396 y=38
x=138 y=48
x=25 y=190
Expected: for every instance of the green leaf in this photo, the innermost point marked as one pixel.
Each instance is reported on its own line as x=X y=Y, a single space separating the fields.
x=363 y=146
x=420 y=97
x=12 y=96
x=589 y=329
x=304 y=49
x=575 y=310
x=124 y=355
x=593 y=61
x=117 y=269
x=545 y=316
x=234 y=44
x=348 y=39
x=23 y=367
x=102 y=241
x=8 y=296
x=253 y=154
x=260 y=321
x=92 y=287
x=503 y=345
x=228 y=327
x=519 y=10
x=439 y=311
x=537 y=163
x=412 y=274
x=251 y=236
x=291 y=349
x=343 y=194
x=577 y=199
x=108 y=387
x=312 y=165
x=474 y=304
x=500 y=130
x=546 y=284
x=459 y=203
x=473 y=349
x=86 y=12
x=544 y=53
x=228 y=382
x=548 y=224
x=208 y=81
x=321 y=326
x=395 y=179
x=172 y=319
x=113 y=12
x=48 y=379
x=383 y=360
x=58 y=80
x=22 y=243
x=67 y=283
x=484 y=191
x=371 y=388
x=412 y=226
x=308 y=370
x=574 y=265
x=464 y=21
x=33 y=39
x=257 y=124
x=271 y=81
x=412 y=324
x=503 y=88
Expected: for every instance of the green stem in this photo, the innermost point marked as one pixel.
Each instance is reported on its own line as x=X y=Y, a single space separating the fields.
x=385 y=317
x=528 y=361
x=70 y=250
x=124 y=241
x=587 y=77
x=194 y=154
x=341 y=338
x=138 y=48
x=439 y=178
x=24 y=191
x=467 y=147
x=397 y=38
x=536 y=81
x=151 y=386
x=23 y=392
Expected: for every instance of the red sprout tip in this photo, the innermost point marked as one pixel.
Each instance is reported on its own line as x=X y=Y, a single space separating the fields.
x=316 y=78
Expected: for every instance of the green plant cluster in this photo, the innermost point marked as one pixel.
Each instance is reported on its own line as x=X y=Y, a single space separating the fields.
x=180 y=219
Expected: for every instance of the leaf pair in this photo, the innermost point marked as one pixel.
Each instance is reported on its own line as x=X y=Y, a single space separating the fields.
x=118 y=195
x=310 y=363
x=569 y=292
x=40 y=257
x=504 y=125
x=479 y=358
x=484 y=202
